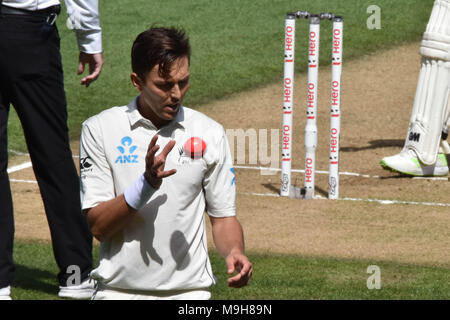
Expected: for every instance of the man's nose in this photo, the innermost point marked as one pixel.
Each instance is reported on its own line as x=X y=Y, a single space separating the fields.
x=175 y=93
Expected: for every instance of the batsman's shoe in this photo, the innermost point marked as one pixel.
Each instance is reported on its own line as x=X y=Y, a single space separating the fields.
x=84 y=290
x=5 y=293
x=406 y=162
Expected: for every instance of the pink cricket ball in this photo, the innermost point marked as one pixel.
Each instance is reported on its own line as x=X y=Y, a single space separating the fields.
x=195 y=147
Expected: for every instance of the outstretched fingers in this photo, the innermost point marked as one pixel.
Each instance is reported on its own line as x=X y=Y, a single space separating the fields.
x=155 y=164
x=169 y=146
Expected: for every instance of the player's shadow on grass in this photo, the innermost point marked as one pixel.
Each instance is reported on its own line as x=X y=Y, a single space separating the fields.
x=35 y=279
x=376 y=144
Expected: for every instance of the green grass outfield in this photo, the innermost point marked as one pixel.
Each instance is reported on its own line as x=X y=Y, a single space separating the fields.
x=276 y=277
x=236 y=45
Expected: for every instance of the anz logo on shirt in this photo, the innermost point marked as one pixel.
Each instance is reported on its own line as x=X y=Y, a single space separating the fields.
x=126 y=150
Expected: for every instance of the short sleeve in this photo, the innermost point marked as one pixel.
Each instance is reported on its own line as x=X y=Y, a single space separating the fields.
x=96 y=181
x=219 y=183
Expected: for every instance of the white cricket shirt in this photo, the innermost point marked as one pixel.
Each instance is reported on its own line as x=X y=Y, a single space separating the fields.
x=164 y=247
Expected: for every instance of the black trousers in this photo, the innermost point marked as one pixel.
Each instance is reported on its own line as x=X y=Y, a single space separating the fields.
x=31 y=79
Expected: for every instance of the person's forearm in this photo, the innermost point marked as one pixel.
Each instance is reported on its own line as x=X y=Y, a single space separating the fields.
x=229 y=240
x=109 y=218
x=228 y=236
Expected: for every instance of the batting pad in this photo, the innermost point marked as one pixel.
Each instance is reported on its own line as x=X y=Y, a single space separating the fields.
x=436 y=39
x=430 y=110
x=431 y=104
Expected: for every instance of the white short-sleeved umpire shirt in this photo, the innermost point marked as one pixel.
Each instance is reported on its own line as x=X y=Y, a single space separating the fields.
x=164 y=247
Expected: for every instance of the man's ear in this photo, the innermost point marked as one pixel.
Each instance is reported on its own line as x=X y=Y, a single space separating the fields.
x=136 y=81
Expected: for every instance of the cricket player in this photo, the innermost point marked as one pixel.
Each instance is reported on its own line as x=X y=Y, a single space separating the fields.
x=425 y=149
x=145 y=186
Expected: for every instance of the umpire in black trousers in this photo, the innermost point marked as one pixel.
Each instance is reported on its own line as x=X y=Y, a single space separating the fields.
x=31 y=79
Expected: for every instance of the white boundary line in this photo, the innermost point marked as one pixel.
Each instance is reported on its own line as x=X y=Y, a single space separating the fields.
x=23 y=166
x=303 y=171
x=20 y=153
x=28 y=165
x=340 y=173
x=380 y=201
x=19 y=167
x=23 y=181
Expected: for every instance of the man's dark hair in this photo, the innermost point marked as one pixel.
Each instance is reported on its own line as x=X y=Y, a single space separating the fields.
x=158 y=46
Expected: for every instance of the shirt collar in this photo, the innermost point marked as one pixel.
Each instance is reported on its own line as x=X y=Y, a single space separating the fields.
x=136 y=119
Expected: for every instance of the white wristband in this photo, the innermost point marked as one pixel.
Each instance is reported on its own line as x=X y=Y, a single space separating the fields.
x=138 y=193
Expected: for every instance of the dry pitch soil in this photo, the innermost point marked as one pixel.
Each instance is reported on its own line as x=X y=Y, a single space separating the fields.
x=377 y=96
